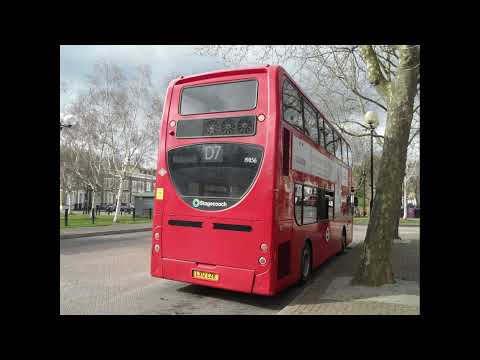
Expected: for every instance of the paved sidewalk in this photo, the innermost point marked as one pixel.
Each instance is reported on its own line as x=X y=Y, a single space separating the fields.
x=330 y=292
x=103 y=230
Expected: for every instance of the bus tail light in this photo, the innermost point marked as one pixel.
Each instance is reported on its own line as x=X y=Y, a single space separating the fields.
x=261 y=117
x=172 y=123
x=262 y=260
x=264 y=247
x=156 y=248
x=157 y=236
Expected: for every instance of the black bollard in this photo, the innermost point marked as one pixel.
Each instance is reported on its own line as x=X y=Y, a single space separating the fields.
x=134 y=215
x=66 y=217
x=93 y=215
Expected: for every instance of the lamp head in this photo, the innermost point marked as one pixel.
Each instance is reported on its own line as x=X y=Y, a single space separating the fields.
x=68 y=120
x=371 y=118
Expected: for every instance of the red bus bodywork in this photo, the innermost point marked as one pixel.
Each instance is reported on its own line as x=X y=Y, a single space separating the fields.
x=267 y=208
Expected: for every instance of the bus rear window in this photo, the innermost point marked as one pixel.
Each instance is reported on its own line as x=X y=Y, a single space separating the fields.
x=220 y=173
x=232 y=96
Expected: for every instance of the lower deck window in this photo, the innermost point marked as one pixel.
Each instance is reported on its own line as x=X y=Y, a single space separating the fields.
x=312 y=204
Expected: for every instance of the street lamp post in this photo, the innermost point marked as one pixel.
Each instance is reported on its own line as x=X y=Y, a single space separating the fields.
x=371 y=119
x=364 y=176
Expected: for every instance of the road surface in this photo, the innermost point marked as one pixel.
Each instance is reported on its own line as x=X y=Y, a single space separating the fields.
x=111 y=275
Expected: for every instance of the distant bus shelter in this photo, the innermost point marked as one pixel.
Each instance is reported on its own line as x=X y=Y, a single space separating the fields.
x=143 y=202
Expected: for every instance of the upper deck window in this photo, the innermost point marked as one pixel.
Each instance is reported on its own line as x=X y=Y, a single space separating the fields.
x=232 y=96
x=338 y=146
x=349 y=155
x=329 y=141
x=292 y=106
x=310 y=116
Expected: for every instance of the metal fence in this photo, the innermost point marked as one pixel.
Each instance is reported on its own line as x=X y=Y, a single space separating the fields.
x=145 y=214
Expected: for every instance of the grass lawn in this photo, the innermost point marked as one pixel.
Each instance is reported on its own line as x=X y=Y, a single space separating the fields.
x=364 y=221
x=77 y=220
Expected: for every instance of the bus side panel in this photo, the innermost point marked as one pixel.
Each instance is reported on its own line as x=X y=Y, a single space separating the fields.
x=282 y=225
x=265 y=282
x=159 y=193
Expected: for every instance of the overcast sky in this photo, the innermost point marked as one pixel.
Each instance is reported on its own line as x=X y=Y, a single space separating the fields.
x=76 y=61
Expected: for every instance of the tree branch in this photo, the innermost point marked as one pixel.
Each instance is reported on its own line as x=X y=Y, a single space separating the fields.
x=355 y=91
x=413 y=136
x=374 y=72
x=342 y=129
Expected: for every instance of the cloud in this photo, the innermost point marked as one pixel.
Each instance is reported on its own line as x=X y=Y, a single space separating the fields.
x=77 y=61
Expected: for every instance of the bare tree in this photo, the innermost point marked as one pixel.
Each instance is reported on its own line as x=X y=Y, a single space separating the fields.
x=67 y=176
x=88 y=139
x=335 y=76
x=127 y=119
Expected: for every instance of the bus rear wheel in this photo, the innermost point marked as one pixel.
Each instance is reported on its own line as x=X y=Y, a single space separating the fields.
x=344 y=242
x=306 y=264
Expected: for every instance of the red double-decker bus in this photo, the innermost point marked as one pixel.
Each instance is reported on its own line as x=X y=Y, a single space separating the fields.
x=253 y=184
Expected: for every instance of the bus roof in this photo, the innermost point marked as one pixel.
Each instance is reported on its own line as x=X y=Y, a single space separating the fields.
x=224 y=72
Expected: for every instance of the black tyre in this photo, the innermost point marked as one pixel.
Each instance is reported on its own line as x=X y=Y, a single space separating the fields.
x=306 y=264
x=344 y=242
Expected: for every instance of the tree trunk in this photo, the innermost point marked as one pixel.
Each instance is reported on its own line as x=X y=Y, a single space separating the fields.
x=119 y=195
x=397 y=235
x=397 y=223
x=417 y=193
x=93 y=203
x=375 y=268
x=69 y=201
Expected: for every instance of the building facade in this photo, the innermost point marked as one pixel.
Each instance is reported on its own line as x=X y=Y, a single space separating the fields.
x=137 y=182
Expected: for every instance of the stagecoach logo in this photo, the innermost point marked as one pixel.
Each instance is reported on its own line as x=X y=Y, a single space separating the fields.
x=196 y=203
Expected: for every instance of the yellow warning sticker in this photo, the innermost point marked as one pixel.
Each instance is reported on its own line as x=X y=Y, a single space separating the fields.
x=160 y=193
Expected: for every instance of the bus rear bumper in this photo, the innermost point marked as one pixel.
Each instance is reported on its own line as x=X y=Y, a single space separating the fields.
x=229 y=278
